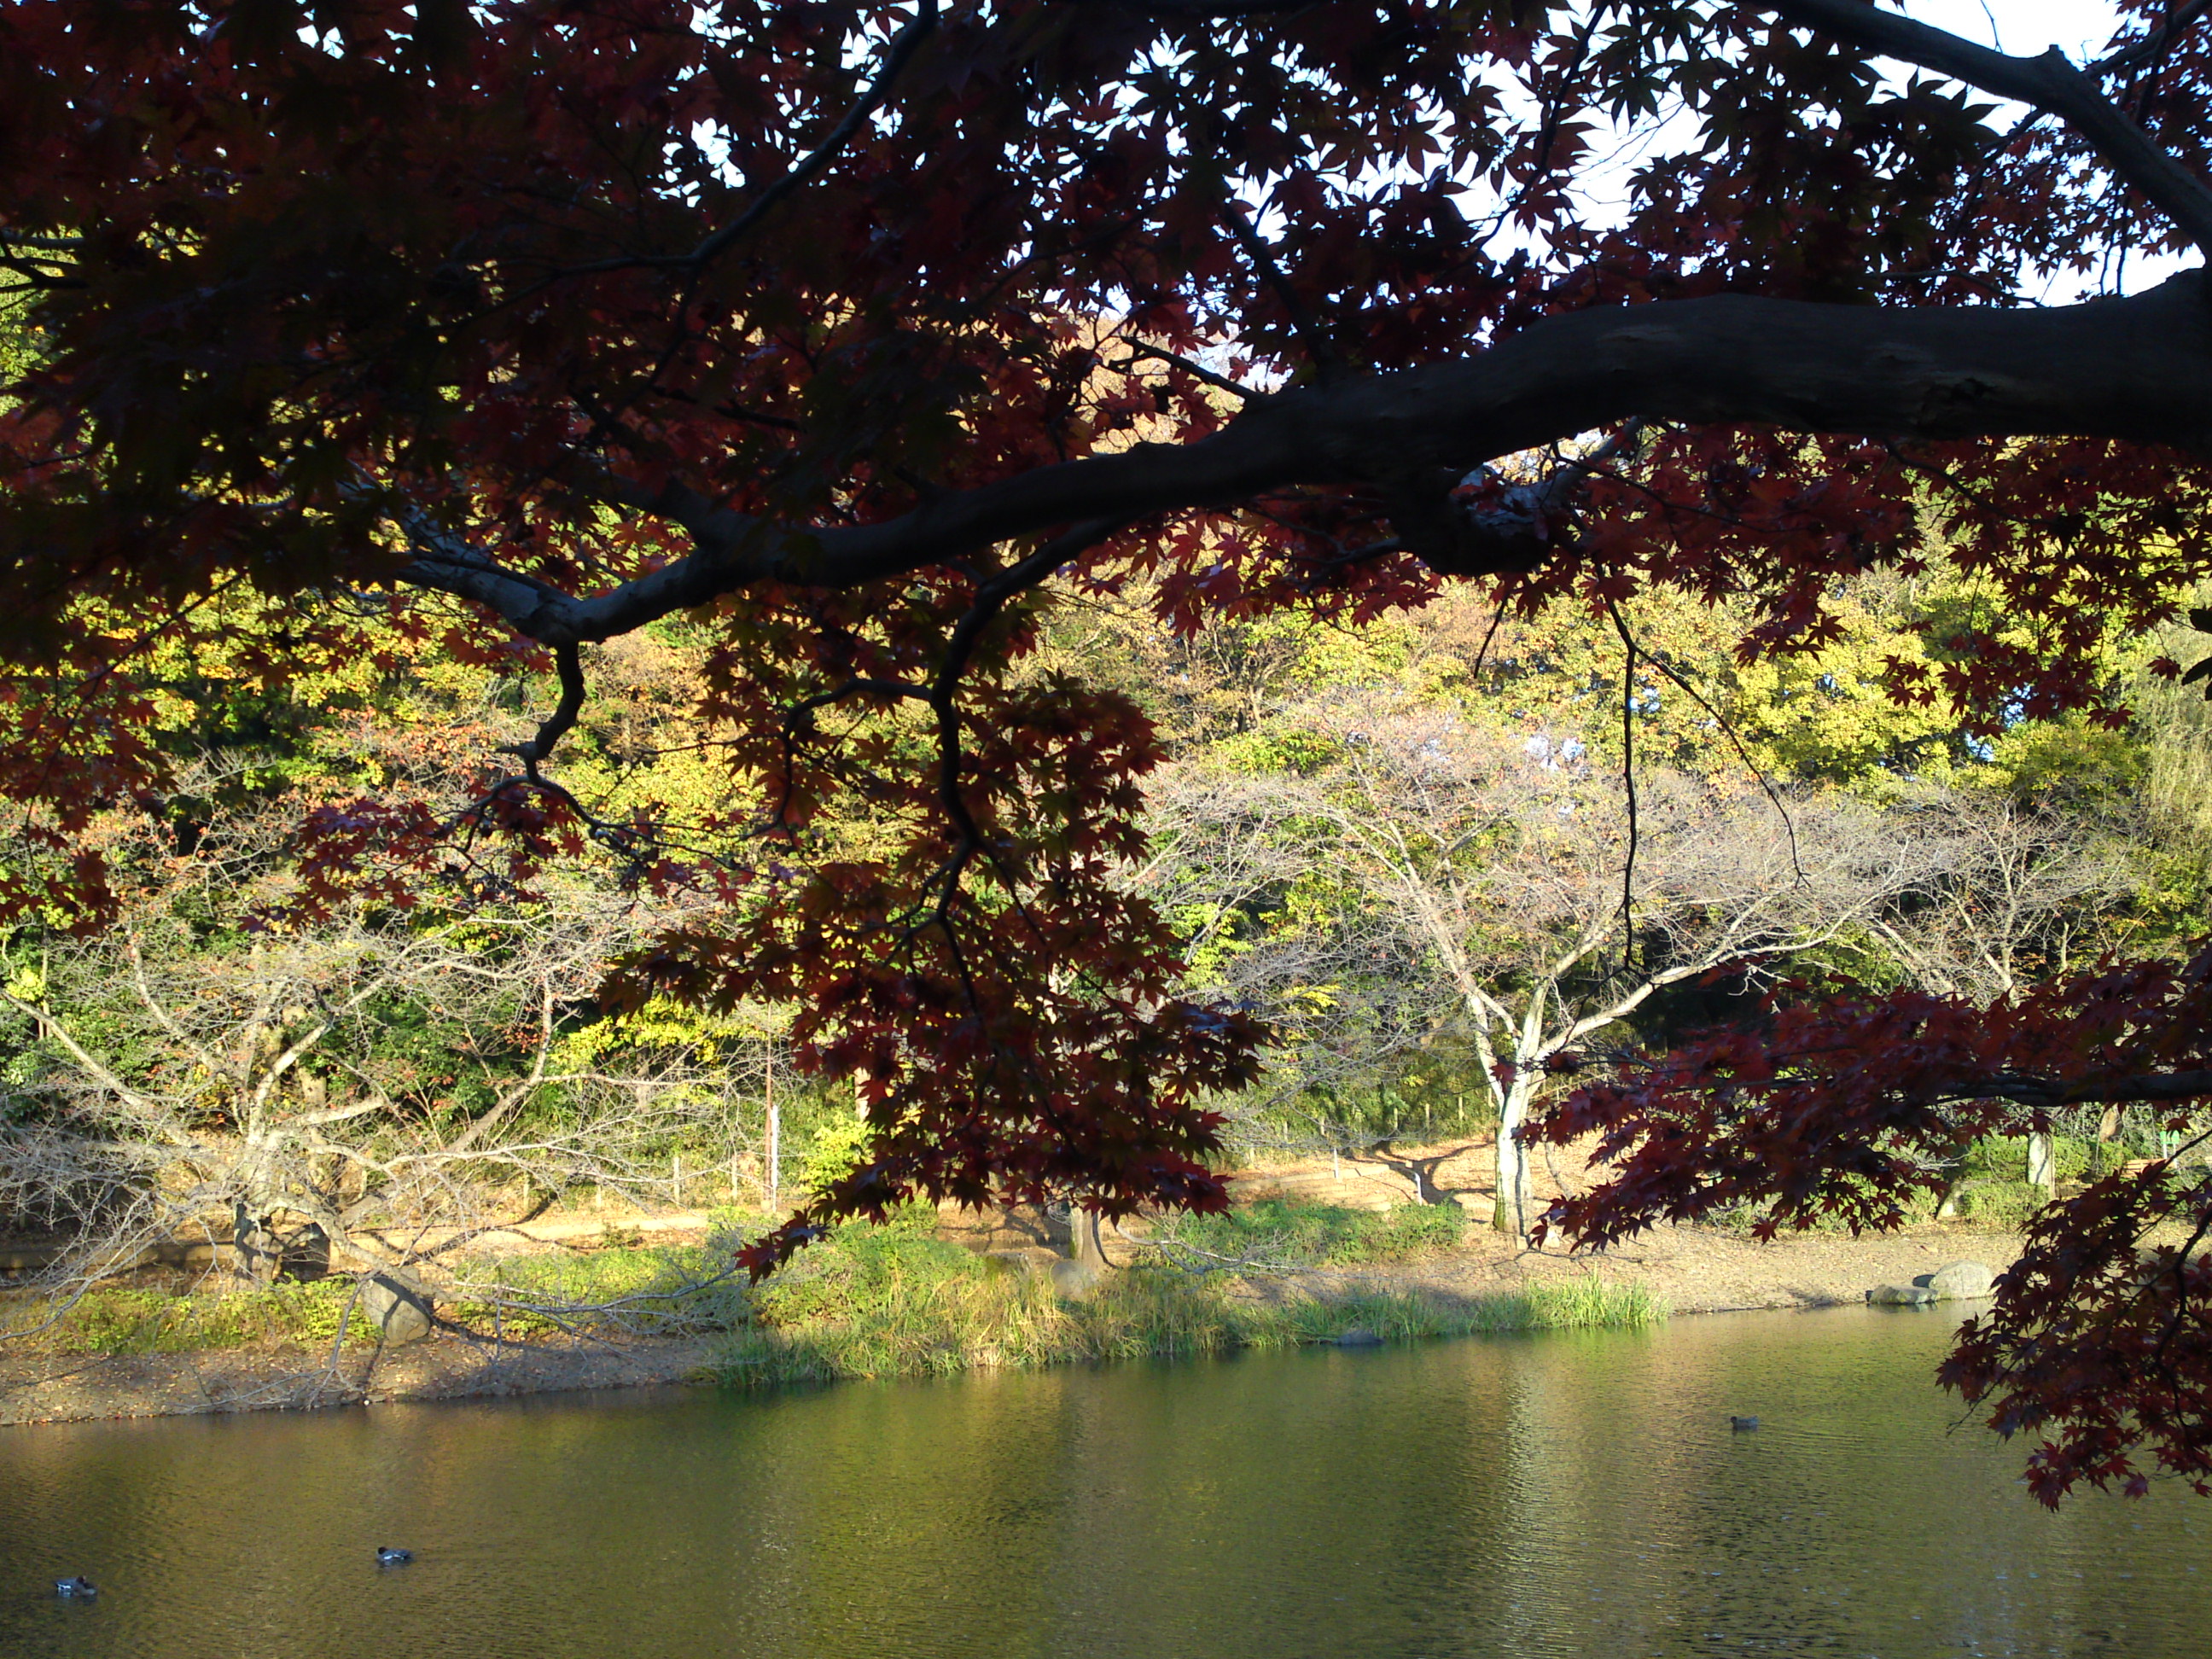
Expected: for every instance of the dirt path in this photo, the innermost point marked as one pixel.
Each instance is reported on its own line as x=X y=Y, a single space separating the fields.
x=1696 y=1269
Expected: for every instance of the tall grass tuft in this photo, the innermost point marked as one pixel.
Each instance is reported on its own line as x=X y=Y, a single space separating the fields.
x=894 y=1301
x=1560 y=1304
x=1281 y=1234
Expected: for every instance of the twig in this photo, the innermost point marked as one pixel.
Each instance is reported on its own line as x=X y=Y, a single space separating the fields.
x=903 y=46
x=1728 y=729
x=2154 y=44
x=1325 y=361
x=1196 y=371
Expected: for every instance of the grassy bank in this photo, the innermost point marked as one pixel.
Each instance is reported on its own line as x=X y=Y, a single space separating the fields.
x=883 y=1301
x=895 y=1301
x=610 y=1294
x=115 y=1321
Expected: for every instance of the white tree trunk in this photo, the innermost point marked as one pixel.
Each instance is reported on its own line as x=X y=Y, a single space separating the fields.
x=1088 y=1246
x=773 y=1175
x=1511 y=1213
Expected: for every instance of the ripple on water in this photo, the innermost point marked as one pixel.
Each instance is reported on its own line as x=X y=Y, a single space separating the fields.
x=1573 y=1494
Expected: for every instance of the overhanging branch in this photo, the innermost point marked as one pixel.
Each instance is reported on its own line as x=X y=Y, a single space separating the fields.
x=2141 y=1089
x=2138 y=368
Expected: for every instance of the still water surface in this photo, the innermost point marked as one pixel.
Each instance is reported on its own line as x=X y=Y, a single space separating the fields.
x=1572 y=1494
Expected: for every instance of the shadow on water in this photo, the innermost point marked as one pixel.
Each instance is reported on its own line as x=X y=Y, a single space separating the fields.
x=1578 y=1494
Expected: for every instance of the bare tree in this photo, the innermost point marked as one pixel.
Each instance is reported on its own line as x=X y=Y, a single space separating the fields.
x=2020 y=894
x=1494 y=883
x=1227 y=848
x=2016 y=894
x=374 y=1093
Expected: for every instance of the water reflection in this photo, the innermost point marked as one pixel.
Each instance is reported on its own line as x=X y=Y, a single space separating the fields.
x=1570 y=1495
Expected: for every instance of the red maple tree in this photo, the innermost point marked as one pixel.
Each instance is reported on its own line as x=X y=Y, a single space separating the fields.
x=524 y=325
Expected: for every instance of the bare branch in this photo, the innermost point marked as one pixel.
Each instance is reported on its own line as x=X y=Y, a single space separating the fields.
x=804 y=171
x=2049 y=83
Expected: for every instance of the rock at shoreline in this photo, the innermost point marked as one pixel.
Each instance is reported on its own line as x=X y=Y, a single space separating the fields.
x=1961 y=1281
x=1903 y=1296
x=400 y=1310
x=1073 y=1279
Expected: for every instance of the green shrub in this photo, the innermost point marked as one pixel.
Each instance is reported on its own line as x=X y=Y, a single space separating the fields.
x=833 y=1153
x=2074 y=1157
x=2071 y=1157
x=2005 y=1206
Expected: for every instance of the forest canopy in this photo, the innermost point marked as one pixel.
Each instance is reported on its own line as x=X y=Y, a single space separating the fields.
x=847 y=353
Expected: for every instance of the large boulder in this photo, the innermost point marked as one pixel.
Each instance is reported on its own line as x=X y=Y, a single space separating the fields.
x=399 y=1308
x=1902 y=1296
x=1962 y=1281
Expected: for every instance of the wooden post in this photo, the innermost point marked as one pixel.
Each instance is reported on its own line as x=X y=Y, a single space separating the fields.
x=2041 y=1164
x=2108 y=1131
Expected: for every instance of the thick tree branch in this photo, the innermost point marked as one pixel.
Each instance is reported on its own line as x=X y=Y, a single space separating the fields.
x=2049 y=83
x=556 y=724
x=2138 y=368
x=2148 y=1086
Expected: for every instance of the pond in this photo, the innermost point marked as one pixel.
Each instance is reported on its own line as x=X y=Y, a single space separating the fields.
x=1572 y=1494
